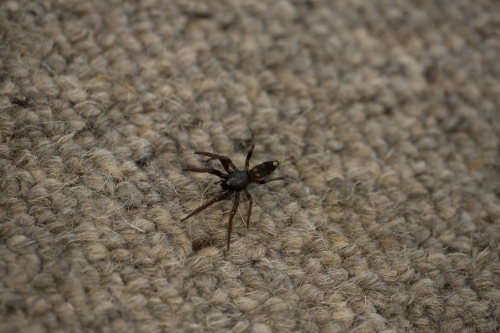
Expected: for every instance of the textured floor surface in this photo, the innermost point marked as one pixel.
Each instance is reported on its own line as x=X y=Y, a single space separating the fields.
x=384 y=116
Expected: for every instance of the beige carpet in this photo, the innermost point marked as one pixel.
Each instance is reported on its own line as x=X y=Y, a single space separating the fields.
x=384 y=116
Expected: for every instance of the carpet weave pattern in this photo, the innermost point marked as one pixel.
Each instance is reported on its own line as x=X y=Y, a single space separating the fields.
x=383 y=114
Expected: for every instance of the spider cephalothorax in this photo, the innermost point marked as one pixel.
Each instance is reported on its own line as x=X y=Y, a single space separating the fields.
x=235 y=181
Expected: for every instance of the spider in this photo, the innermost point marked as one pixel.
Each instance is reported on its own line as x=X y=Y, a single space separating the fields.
x=235 y=181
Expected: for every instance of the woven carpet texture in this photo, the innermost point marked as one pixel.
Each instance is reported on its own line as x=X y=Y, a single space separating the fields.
x=384 y=116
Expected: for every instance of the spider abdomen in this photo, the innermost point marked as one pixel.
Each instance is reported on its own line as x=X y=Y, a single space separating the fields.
x=236 y=181
x=260 y=171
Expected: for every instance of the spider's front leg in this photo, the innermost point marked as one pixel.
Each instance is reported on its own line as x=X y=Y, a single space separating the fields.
x=208 y=204
x=212 y=171
x=224 y=160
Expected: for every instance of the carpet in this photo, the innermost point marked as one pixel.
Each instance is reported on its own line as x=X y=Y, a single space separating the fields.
x=384 y=116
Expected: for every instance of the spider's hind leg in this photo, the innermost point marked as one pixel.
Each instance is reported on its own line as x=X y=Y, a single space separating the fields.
x=250 y=203
x=264 y=181
x=230 y=224
x=250 y=152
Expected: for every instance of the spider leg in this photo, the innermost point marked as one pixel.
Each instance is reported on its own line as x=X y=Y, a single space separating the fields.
x=212 y=171
x=250 y=152
x=230 y=224
x=208 y=203
x=224 y=160
x=268 y=180
x=249 y=197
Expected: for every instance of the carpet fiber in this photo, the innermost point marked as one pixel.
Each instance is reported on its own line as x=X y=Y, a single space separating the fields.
x=384 y=116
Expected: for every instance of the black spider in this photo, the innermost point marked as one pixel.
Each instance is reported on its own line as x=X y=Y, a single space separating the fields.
x=235 y=181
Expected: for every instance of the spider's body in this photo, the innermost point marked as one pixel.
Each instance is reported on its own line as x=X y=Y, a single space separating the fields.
x=235 y=181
